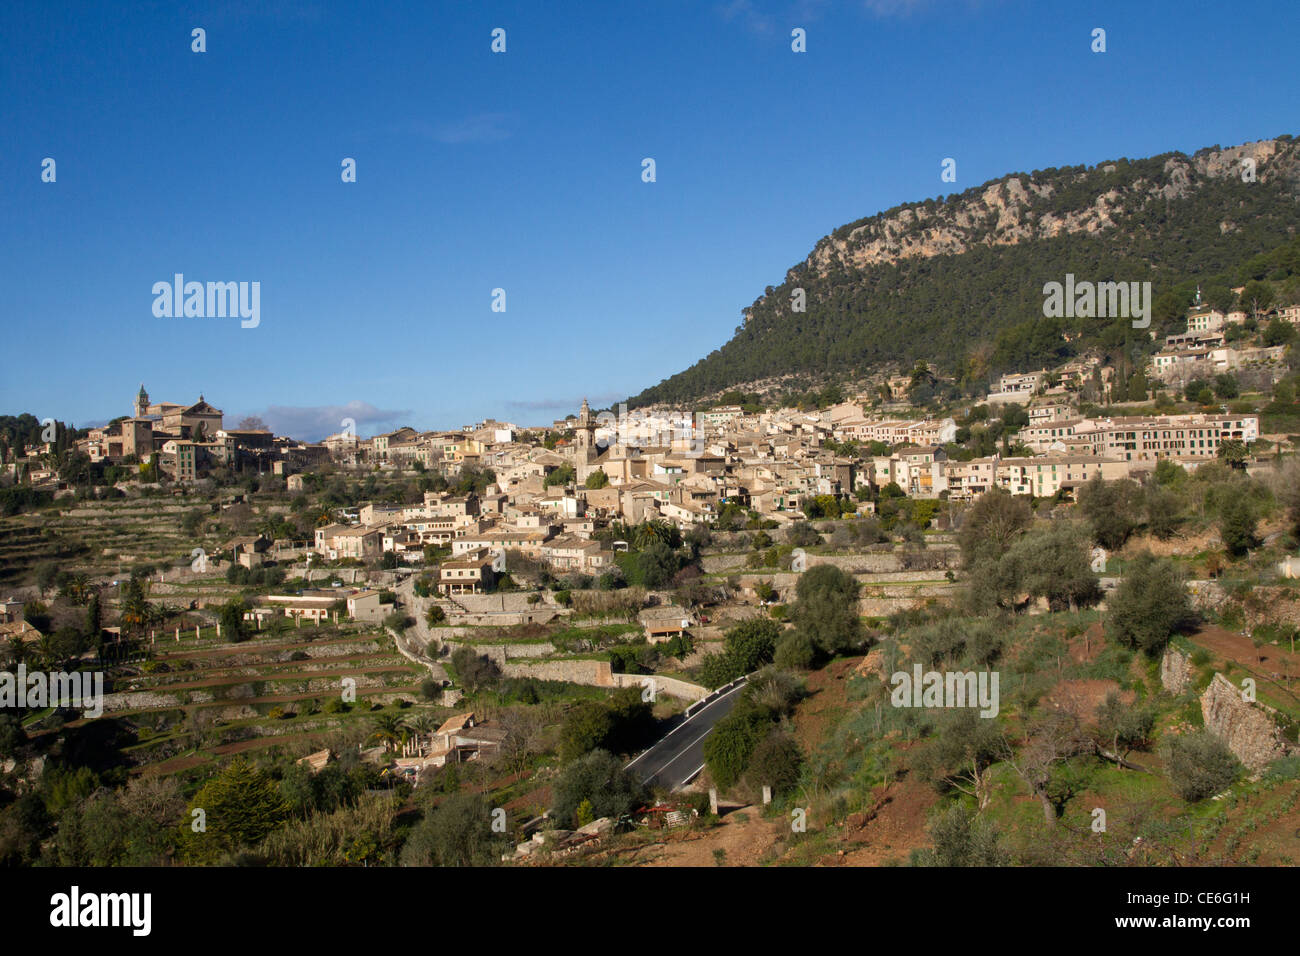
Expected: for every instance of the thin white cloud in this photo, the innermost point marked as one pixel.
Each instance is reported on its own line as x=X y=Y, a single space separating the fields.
x=905 y=8
x=565 y=404
x=893 y=8
x=747 y=15
x=479 y=128
x=314 y=422
x=483 y=128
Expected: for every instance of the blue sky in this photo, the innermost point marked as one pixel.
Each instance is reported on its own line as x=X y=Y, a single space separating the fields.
x=522 y=171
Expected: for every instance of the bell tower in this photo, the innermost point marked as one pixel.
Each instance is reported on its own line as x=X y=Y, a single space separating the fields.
x=585 y=427
x=141 y=402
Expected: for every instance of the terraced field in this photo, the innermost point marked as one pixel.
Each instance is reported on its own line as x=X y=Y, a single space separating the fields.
x=196 y=701
x=102 y=538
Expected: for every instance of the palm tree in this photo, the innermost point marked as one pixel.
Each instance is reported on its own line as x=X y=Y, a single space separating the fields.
x=17 y=650
x=421 y=725
x=1233 y=451
x=156 y=614
x=45 y=651
x=649 y=532
x=390 y=731
x=79 y=588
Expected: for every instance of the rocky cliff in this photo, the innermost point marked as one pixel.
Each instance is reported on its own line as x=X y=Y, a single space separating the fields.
x=940 y=279
x=1019 y=208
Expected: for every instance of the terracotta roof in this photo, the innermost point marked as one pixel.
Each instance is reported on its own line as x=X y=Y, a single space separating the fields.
x=459 y=722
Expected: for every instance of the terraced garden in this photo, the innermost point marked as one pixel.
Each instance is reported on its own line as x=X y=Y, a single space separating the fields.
x=195 y=701
x=104 y=538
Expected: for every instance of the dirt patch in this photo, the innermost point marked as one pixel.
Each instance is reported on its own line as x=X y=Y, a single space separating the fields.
x=825 y=704
x=1279 y=842
x=1230 y=645
x=1167 y=547
x=1087 y=647
x=743 y=836
x=541 y=797
x=1273 y=665
x=890 y=829
x=1082 y=697
x=174 y=765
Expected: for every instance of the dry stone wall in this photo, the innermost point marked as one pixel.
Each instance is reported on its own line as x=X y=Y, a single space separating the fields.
x=1247 y=728
x=594 y=673
x=1175 y=671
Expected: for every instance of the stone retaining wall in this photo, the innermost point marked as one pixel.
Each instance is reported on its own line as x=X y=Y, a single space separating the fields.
x=682 y=690
x=1175 y=671
x=1247 y=728
x=593 y=673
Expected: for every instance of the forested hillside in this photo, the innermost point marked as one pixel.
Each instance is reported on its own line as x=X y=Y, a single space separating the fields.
x=958 y=281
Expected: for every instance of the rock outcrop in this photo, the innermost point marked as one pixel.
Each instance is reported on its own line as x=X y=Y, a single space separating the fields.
x=1175 y=671
x=1011 y=210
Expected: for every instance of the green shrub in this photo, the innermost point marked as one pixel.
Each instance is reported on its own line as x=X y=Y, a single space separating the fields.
x=1284 y=768
x=1199 y=764
x=795 y=651
x=399 y=621
x=776 y=762
x=960 y=839
x=458 y=832
x=728 y=749
x=747 y=646
x=599 y=781
x=1149 y=605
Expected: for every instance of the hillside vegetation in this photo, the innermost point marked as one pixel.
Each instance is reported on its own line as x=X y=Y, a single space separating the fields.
x=958 y=281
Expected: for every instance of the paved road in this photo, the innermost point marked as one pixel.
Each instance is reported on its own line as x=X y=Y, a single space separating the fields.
x=675 y=760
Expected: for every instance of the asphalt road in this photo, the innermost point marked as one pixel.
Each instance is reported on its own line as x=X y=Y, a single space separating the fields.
x=678 y=757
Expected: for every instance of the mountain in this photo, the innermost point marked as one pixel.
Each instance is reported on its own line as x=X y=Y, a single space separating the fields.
x=958 y=281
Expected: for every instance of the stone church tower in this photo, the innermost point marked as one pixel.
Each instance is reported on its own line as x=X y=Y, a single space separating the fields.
x=585 y=428
x=586 y=454
x=141 y=402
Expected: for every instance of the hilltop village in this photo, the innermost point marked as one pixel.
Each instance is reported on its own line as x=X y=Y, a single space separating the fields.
x=526 y=617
